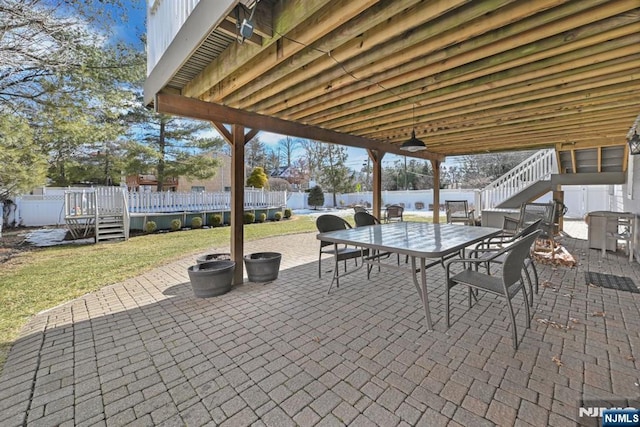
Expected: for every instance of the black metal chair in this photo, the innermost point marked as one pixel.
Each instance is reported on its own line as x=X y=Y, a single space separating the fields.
x=357 y=209
x=531 y=212
x=364 y=219
x=487 y=248
x=393 y=213
x=458 y=211
x=326 y=223
x=506 y=285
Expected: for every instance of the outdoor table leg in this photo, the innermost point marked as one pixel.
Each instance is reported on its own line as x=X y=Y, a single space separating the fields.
x=422 y=288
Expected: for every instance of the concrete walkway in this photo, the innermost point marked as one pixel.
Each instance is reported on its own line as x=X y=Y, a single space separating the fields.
x=146 y=352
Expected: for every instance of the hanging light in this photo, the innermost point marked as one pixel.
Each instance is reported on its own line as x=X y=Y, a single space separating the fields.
x=413 y=144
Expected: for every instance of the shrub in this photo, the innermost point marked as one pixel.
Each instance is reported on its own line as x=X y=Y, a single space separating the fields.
x=262 y=217
x=249 y=217
x=196 y=222
x=287 y=213
x=150 y=227
x=316 y=197
x=277 y=216
x=215 y=220
x=176 y=224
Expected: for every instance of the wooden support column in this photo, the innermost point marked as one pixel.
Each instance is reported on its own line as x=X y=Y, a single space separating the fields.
x=237 y=200
x=558 y=196
x=376 y=161
x=435 y=165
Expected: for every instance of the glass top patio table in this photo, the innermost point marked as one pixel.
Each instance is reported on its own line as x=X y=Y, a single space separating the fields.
x=419 y=240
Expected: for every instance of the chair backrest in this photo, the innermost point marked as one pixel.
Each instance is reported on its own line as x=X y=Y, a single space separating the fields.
x=528 y=229
x=456 y=209
x=357 y=209
x=531 y=212
x=514 y=260
x=329 y=222
x=365 y=218
x=394 y=211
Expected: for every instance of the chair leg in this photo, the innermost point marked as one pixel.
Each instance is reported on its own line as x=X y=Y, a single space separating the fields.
x=535 y=273
x=320 y=266
x=446 y=304
x=526 y=306
x=530 y=283
x=513 y=321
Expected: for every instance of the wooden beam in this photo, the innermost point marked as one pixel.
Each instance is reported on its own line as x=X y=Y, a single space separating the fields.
x=485 y=54
x=374 y=26
x=237 y=201
x=376 y=161
x=236 y=55
x=435 y=165
x=193 y=108
x=224 y=132
x=505 y=85
x=302 y=21
x=404 y=55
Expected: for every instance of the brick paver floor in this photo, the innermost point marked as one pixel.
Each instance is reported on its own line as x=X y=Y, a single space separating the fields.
x=147 y=352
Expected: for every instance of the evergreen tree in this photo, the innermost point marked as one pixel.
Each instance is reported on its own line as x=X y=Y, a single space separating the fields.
x=258 y=179
x=23 y=165
x=316 y=197
x=335 y=175
x=169 y=146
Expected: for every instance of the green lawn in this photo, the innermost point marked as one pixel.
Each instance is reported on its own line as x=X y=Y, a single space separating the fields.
x=44 y=278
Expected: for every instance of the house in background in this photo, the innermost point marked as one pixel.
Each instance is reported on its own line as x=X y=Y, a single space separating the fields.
x=149 y=182
x=221 y=181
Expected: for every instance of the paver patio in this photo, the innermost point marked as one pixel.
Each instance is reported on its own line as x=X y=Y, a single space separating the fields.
x=146 y=352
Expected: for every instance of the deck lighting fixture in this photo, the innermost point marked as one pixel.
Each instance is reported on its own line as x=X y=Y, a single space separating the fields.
x=413 y=144
x=633 y=137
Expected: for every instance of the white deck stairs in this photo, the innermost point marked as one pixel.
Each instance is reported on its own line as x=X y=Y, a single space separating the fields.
x=101 y=212
x=549 y=169
x=110 y=227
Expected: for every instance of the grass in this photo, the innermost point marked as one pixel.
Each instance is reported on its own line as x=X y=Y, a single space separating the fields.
x=41 y=279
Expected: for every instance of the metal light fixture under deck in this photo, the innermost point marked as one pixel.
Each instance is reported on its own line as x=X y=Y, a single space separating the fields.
x=413 y=144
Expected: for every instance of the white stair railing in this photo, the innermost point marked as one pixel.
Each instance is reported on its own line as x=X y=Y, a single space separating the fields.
x=536 y=168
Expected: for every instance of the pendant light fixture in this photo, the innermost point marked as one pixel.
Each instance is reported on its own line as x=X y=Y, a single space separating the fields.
x=413 y=144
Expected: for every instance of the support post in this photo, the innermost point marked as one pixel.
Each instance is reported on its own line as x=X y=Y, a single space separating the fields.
x=376 y=159
x=435 y=165
x=237 y=200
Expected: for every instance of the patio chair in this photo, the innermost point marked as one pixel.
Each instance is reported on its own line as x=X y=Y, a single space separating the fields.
x=531 y=212
x=393 y=213
x=364 y=219
x=458 y=211
x=357 y=209
x=506 y=285
x=326 y=223
x=486 y=249
x=622 y=230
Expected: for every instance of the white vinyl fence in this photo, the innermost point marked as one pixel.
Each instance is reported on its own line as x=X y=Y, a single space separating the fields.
x=47 y=209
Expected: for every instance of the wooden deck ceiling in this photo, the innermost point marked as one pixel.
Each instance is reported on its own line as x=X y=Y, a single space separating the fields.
x=469 y=76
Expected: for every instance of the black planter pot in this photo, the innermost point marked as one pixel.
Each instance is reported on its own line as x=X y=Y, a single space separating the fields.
x=210 y=279
x=262 y=266
x=213 y=257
